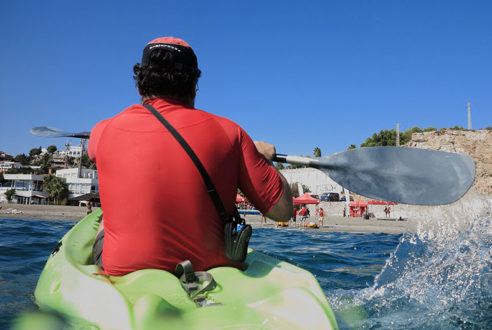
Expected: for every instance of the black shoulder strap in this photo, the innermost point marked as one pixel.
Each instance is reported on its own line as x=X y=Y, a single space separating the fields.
x=208 y=182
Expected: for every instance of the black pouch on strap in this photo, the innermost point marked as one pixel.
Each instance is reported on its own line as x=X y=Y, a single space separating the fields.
x=237 y=234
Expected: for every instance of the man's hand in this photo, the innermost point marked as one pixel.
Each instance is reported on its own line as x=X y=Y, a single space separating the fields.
x=267 y=150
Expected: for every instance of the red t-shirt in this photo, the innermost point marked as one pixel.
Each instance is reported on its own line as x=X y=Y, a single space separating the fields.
x=321 y=213
x=157 y=211
x=303 y=211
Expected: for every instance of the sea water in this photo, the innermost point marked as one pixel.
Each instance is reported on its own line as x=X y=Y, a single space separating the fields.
x=438 y=278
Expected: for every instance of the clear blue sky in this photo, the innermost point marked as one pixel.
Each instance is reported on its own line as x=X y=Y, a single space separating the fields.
x=298 y=74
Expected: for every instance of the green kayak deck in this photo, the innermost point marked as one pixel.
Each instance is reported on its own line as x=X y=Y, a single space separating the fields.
x=269 y=294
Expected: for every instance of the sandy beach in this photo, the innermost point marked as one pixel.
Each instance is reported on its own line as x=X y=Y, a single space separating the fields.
x=330 y=223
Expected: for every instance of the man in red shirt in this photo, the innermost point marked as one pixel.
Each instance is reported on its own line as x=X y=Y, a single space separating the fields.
x=157 y=211
x=303 y=213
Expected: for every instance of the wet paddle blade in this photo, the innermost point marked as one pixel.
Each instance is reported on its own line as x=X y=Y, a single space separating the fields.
x=400 y=174
x=51 y=132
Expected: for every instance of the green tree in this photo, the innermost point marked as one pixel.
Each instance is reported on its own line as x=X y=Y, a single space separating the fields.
x=87 y=162
x=457 y=128
x=430 y=129
x=69 y=160
x=56 y=188
x=9 y=194
x=35 y=152
x=22 y=158
x=352 y=146
x=46 y=162
x=383 y=138
x=317 y=152
x=51 y=149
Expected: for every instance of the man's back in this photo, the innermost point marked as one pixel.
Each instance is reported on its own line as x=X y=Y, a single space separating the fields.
x=157 y=211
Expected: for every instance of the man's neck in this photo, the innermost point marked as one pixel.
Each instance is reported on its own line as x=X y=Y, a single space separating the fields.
x=190 y=103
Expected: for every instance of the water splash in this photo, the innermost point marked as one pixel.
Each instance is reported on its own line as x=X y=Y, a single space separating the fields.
x=438 y=277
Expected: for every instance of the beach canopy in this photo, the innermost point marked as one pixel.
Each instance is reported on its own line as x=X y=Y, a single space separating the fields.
x=240 y=199
x=358 y=203
x=305 y=199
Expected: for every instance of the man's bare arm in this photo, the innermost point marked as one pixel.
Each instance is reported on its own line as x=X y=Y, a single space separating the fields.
x=282 y=210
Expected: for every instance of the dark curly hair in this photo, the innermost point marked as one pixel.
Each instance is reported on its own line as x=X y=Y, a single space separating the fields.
x=166 y=78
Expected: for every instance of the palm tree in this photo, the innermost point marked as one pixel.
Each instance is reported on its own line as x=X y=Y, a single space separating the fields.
x=56 y=188
x=317 y=152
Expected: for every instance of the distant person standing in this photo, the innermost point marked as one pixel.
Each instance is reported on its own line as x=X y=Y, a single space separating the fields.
x=304 y=215
x=344 y=211
x=89 y=207
x=321 y=215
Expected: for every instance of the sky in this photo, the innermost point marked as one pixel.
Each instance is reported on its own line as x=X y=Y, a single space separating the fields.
x=297 y=74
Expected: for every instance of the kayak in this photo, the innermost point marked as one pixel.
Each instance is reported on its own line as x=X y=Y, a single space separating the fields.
x=269 y=293
x=311 y=225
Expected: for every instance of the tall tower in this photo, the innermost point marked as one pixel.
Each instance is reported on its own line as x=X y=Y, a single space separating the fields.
x=469 y=117
x=397 y=134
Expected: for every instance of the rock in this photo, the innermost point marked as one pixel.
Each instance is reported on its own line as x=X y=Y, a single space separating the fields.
x=476 y=144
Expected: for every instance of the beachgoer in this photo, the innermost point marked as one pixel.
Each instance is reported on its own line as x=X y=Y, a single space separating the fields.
x=344 y=211
x=386 y=211
x=89 y=207
x=321 y=216
x=389 y=212
x=303 y=213
x=172 y=217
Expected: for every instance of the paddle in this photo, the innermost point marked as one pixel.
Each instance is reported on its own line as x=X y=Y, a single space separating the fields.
x=396 y=174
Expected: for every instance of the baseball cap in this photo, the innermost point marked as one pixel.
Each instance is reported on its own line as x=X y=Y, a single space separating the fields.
x=183 y=53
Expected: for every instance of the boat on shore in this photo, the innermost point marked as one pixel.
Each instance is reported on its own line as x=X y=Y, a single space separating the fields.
x=269 y=293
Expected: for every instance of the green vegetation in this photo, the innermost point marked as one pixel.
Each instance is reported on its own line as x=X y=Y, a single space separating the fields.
x=35 y=152
x=22 y=158
x=51 y=149
x=87 y=162
x=317 y=152
x=22 y=170
x=56 y=188
x=9 y=194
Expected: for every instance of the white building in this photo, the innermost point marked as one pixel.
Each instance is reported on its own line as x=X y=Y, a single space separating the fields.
x=317 y=181
x=86 y=184
x=72 y=151
x=28 y=188
x=7 y=165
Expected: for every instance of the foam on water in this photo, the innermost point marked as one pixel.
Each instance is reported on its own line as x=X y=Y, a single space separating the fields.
x=439 y=277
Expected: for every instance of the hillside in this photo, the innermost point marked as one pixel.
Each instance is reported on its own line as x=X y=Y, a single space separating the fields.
x=476 y=144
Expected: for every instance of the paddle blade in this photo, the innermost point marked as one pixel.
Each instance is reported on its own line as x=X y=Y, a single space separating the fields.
x=51 y=132
x=401 y=174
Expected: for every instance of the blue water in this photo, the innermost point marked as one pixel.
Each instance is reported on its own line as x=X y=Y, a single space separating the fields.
x=372 y=281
